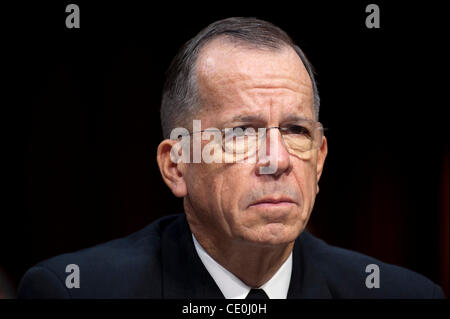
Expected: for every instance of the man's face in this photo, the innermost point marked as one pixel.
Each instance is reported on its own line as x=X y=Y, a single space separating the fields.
x=234 y=200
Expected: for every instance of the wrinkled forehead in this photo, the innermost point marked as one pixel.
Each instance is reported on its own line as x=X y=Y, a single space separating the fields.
x=231 y=74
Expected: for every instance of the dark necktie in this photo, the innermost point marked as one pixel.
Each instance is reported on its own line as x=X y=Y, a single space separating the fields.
x=257 y=294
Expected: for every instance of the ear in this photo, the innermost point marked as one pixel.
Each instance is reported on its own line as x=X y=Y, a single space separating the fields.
x=322 y=154
x=171 y=172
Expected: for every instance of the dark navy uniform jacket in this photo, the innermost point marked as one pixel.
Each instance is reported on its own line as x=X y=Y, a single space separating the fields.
x=160 y=261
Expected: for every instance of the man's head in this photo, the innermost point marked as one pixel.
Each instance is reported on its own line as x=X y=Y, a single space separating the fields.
x=242 y=72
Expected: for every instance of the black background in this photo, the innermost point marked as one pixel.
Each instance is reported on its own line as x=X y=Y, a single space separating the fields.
x=82 y=125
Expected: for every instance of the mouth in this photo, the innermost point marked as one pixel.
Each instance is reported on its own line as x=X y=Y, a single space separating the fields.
x=272 y=202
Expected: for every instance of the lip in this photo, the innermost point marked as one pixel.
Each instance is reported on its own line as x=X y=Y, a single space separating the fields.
x=273 y=202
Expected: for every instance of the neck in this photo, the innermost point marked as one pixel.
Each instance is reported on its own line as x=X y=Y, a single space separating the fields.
x=254 y=264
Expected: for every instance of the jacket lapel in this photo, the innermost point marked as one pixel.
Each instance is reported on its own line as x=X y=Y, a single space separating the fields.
x=184 y=275
x=307 y=282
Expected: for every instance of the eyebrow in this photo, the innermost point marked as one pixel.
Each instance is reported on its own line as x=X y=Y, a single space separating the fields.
x=247 y=118
x=258 y=118
x=294 y=118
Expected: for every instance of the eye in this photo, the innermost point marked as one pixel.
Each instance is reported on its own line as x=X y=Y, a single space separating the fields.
x=243 y=130
x=298 y=130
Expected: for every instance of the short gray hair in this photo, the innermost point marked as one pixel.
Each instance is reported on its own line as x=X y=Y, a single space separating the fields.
x=180 y=93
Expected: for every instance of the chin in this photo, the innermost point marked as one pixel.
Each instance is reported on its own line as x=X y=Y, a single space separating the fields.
x=274 y=234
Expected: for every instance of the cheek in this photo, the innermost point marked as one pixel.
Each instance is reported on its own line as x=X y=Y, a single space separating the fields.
x=232 y=187
x=306 y=178
x=201 y=186
x=213 y=190
x=234 y=190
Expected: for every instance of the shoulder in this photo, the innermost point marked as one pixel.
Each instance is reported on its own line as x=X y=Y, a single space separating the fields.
x=125 y=267
x=350 y=274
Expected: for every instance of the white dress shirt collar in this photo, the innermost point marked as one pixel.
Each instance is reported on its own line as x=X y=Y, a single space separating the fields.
x=233 y=288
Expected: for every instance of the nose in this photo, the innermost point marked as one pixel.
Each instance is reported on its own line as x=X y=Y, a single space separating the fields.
x=273 y=156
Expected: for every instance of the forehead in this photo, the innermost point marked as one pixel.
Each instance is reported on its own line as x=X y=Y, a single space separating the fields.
x=239 y=78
